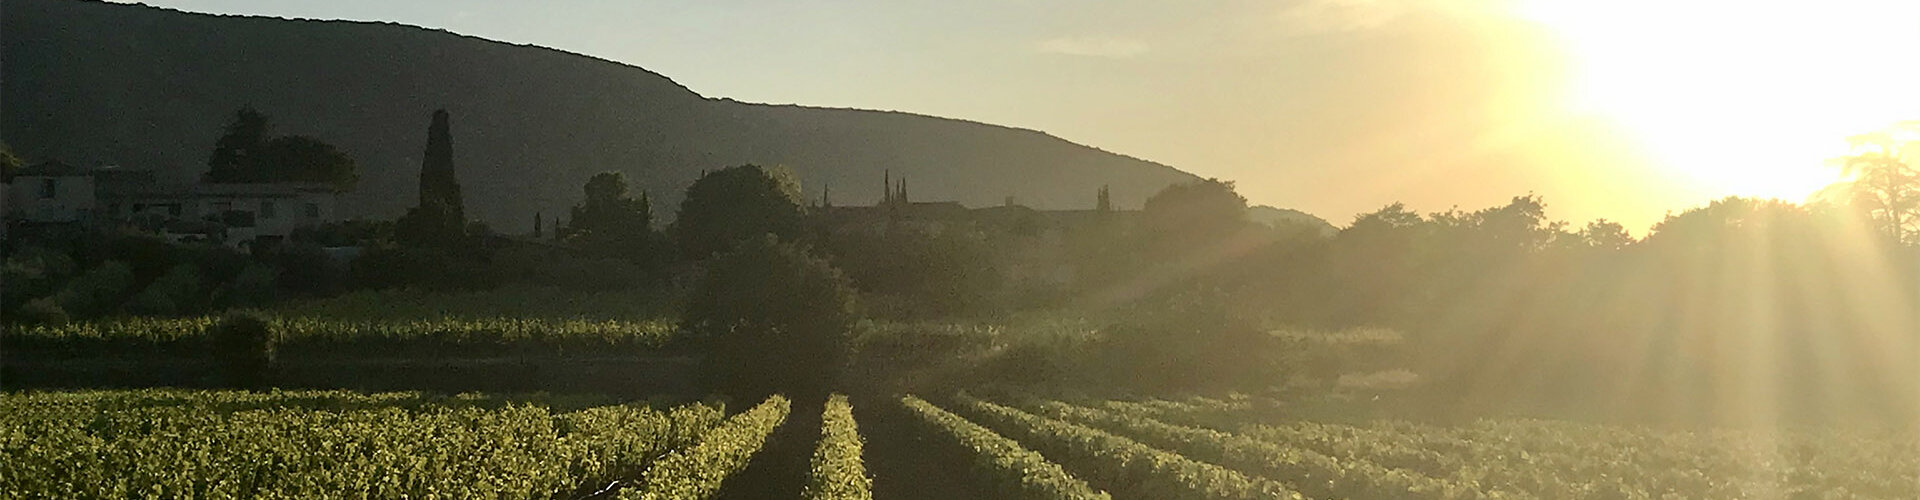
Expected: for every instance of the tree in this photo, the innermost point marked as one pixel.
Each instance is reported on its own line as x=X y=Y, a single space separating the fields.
x=1884 y=182
x=781 y=320
x=234 y=154
x=299 y=158
x=732 y=204
x=1605 y=234
x=611 y=223
x=1195 y=213
x=437 y=182
x=247 y=154
x=440 y=219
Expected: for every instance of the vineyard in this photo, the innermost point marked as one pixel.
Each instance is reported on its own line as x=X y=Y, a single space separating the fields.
x=339 y=444
x=390 y=322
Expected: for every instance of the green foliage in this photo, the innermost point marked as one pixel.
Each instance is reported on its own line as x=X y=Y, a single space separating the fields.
x=433 y=224
x=1312 y=473
x=97 y=291
x=246 y=345
x=1520 y=458
x=351 y=232
x=439 y=220
x=1016 y=471
x=32 y=272
x=1110 y=459
x=1191 y=339
x=242 y=141
x=308 y=270
x=42 y=311
x=177 y=292
x=246 y=154
x=838 y=471
x=735 y=204
x=256 y=286
x=1195 y=214
x=531 y=265
x=430 y=267
x=927 y=273
x=298 y=158
x=411 y=322
x=610 y=224
x=335 y=444
x=781 y=321
x=696 y=472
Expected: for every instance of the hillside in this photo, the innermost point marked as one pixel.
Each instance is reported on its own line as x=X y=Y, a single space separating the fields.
x=1276 y=216
x=88 y=83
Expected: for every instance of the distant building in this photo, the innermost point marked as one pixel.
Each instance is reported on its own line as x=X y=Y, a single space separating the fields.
x=50 y=193
x=235 y=214
x=1037 y=244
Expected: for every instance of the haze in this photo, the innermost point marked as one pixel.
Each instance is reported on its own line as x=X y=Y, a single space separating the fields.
x=1619 y=110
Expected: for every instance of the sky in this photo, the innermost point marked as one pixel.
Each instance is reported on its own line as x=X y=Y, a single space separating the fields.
x=1624 y=110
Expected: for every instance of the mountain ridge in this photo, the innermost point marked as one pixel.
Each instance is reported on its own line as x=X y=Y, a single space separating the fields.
x=91 y=82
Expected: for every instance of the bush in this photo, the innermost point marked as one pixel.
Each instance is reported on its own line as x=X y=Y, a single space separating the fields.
x=1192 y=341
x=147 y=255
x=177 y=292
x=96 y=291
x=433 y=268
x=307 y=269
x=254 y=287
x=535 y=266
x=780 y=319
x=43 y=311
x=217 y=264
x=927 y=274
x=244 y=345
x=32 y=272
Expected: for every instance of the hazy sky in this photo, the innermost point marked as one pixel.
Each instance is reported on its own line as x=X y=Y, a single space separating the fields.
x=1618 y=109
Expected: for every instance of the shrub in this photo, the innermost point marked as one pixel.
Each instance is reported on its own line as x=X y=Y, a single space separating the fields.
x=217 y=264
x=96 y=291
x=42 y=311
x=1192 y=340
x=535 y=266
x=307 y=269
x=254 y=287
x=244 y=345
x=32 y=272
x=177 y=292
x=147 y=255
x=780 y=319
x=434 y=268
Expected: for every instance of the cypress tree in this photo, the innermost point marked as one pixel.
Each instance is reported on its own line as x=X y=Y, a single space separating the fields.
x=440 y=220
x=437 y=184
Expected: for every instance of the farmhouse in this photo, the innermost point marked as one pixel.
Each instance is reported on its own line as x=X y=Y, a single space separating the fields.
x=233 y=214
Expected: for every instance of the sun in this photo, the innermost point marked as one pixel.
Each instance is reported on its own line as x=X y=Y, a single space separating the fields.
x=1740 y=98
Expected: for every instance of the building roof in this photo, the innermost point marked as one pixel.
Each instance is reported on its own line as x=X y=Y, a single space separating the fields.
x=51 y=168
x=215 y=191
x=259 y=190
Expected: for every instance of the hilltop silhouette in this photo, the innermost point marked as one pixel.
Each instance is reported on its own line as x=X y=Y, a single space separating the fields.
x=92 y=83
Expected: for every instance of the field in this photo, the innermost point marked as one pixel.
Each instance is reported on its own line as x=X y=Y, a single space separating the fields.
x=517 y=321
x=338 y=444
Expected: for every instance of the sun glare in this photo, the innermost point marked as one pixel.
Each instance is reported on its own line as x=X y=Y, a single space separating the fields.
x=1741 y=98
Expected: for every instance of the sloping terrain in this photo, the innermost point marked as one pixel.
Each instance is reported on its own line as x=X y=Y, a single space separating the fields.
x=89 y=83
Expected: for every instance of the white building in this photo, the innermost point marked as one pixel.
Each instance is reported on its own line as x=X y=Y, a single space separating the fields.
x=51 y=192
x=237 y=214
